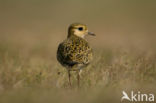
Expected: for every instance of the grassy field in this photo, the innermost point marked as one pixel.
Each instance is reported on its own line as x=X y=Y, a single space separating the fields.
x=124 y=51
x=31 y=73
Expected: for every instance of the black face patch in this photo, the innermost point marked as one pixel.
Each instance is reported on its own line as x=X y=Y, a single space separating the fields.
x=80 y=28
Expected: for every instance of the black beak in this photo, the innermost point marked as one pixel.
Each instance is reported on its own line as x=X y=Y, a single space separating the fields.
x=92 y=34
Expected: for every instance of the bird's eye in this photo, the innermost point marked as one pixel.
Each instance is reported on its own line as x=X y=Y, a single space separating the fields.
x=80 y=28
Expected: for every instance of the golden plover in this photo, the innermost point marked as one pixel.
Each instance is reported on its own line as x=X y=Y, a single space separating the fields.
x=74 y=53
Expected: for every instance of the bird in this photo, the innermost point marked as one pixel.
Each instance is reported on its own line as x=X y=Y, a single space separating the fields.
x=75 y=53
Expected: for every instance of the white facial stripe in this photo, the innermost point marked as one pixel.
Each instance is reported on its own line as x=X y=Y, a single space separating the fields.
x=79 y=33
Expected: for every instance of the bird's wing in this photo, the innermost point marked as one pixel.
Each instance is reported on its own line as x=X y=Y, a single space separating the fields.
x=65 y=54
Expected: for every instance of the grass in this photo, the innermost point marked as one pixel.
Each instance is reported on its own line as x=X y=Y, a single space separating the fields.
x=35 y=76
x=124 y=50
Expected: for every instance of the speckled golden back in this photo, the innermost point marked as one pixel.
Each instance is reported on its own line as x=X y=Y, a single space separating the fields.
x=73 y=51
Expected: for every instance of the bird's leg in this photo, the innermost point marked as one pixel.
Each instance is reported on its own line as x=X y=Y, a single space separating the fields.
x=69 y=75
x=78 y=78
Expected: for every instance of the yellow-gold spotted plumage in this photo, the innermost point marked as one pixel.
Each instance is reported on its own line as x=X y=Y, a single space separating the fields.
x=74 y=53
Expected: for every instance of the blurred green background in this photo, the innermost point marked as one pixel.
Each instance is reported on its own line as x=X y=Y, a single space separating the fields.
x=124 y=49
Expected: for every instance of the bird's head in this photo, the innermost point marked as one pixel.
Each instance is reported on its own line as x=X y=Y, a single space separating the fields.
x=79 y=30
